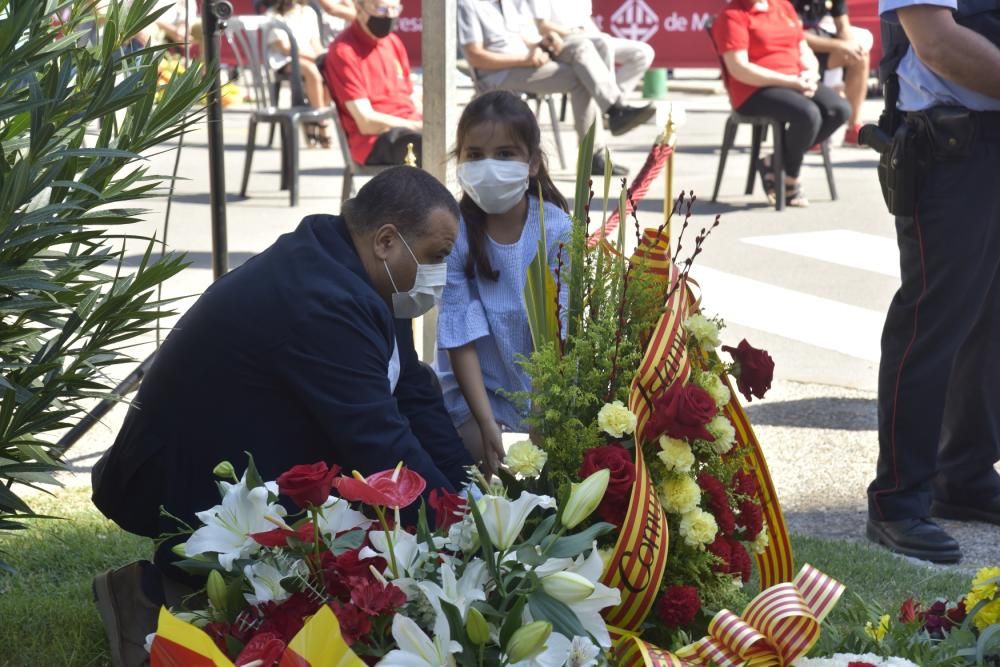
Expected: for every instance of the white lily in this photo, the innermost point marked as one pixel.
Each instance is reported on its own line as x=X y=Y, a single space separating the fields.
x=556 y=653
x=504 y=519
x=588 y=610
x=416 y=649
x=407 y=549
x=228 y=526
x=460 y=592
x=266 y=581
x=336 y=516
x=582 y=653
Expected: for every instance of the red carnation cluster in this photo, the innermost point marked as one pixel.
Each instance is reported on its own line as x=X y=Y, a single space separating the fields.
x=718 y=502
x=618 y=461
x=751 y=518
x=354 y=623
x=682 y=412
x=733 y=556
x=678 y=606
x=745 y=483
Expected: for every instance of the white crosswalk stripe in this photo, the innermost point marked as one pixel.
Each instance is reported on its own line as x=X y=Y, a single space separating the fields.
x=845 y=247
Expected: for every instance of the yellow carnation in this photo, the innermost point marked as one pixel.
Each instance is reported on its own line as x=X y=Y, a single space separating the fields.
x=716 y=388
x=616 y=420
x=761 y=542
x=675 y=454
x=679 y=495
x=524 y=459
x=725 y=435
x=704 y=330
x=984 y=589
x=698 y=527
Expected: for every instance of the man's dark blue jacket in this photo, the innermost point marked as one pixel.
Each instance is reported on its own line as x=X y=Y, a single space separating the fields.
x=285 y=357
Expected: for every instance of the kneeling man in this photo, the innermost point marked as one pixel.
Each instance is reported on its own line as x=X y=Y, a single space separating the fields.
x=303 y=354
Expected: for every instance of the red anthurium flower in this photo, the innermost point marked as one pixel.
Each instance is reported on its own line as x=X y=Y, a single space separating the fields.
x=908 y=610
x=398 y=487
x=266 y=647
x=279 y=536
x=308 y=485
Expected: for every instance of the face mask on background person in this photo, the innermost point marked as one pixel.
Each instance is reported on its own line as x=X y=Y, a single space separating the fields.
x=381 y=26
x=496 y=185
x=426 y=291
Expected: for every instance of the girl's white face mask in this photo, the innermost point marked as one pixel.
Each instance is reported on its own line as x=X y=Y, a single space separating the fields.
x=496 y=185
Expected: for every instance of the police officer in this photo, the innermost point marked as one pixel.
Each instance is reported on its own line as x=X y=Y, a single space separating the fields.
x=939 y=379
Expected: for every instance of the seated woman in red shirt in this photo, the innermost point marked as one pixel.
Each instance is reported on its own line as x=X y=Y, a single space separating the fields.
x=772 y=72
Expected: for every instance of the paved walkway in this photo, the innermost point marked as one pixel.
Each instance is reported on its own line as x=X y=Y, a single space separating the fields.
x=809 y=285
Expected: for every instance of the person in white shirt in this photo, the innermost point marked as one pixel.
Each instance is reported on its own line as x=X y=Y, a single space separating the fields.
x=503 y=45
x=573 y=20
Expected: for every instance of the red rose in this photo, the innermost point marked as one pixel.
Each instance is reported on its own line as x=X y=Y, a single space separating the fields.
x=754 y=369
x=682 y=412
x=751 y=518
x=678 y=606
x=266 y=647
x=448 y=507
x=375 y=598
x=618 y=461
x=354 y=623
x=308 y=485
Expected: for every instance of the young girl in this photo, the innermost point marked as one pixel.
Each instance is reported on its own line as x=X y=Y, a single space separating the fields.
x=482 y=324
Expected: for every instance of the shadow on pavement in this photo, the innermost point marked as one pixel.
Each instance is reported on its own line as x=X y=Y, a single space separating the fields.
x=846 y=414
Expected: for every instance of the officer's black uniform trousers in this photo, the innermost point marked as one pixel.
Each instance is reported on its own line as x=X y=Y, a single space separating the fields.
x=939 y=378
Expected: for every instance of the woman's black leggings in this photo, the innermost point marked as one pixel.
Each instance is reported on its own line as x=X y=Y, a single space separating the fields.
x=808 y=120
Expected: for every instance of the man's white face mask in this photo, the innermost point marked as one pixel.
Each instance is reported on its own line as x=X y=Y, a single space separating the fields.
x=426 y=291
x=496 y=185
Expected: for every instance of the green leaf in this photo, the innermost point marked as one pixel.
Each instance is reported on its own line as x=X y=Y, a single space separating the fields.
x=540 y=292
x=544 y=607
x=352 y=539
x=252 y=476
x=571 y=546
x=512 y=622
x=485 y=544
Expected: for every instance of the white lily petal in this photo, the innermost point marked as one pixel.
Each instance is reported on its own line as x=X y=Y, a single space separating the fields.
x=504 y=519
x=336 y=516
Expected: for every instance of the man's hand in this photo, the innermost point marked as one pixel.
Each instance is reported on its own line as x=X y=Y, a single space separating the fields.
x=553 y=41
x=536 y=57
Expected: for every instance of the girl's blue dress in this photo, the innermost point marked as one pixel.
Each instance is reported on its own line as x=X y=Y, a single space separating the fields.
x=492 y=313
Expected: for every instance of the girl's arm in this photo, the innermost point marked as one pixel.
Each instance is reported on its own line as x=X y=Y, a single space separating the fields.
x=740 y=68
x=465 y=364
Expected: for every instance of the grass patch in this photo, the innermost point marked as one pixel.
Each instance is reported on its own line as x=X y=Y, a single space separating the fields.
x=47 y=615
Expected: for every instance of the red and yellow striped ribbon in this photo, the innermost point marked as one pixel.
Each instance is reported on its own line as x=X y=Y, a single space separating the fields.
x=777 y=628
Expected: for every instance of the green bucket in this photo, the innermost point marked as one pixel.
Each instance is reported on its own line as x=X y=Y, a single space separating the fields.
x=654 y=84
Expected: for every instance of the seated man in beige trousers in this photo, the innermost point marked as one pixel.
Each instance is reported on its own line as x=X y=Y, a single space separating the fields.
x=573 y=20
x=503 y=45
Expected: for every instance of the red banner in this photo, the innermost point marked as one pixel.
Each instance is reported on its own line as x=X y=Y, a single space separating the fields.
x=674 y=28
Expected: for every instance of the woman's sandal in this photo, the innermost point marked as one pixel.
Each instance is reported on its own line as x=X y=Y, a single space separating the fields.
x=794 y=196
x=768 y=179
x=323 y=134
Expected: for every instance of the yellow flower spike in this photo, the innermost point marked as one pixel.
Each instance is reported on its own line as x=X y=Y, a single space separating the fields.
x=358 y=476
x=395 y=473
x=878 y=633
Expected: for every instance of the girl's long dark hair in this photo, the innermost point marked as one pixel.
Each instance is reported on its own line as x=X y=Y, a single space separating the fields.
x=501 y=106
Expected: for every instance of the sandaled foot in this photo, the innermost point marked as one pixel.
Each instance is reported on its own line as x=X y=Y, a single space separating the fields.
x=768 y=179
x=794 y=196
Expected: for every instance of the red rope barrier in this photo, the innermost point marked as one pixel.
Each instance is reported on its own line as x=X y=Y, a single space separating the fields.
x=655 y=160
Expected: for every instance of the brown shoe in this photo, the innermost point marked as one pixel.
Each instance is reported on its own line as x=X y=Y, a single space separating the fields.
x=129 y=600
